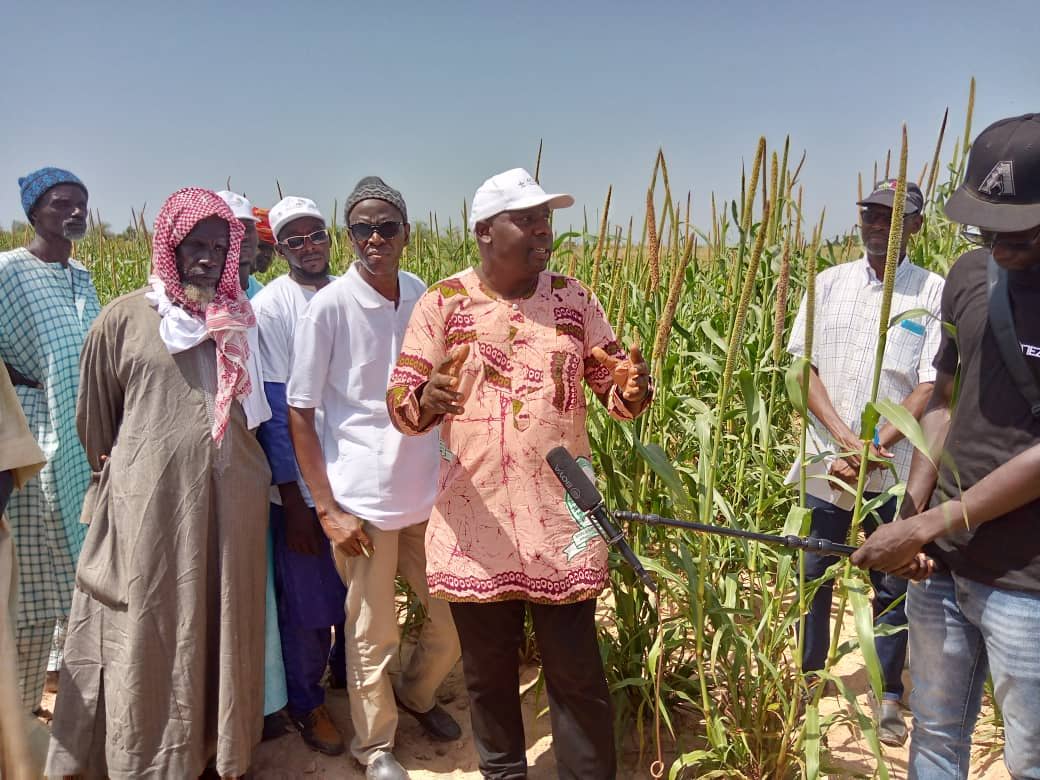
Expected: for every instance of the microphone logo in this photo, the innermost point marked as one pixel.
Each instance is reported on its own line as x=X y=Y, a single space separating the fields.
x=586 y=528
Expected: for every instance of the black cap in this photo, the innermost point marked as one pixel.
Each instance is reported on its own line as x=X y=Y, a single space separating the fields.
x=884 y=194
x=1001 y=188
x=374 y=187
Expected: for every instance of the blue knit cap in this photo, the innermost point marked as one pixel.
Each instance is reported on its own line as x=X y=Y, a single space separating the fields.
x=35 y=184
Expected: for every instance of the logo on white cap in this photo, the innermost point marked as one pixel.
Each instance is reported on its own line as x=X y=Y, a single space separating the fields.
x=239 y=205
x=290 y=208
x=512 y=190
x=1000 y=180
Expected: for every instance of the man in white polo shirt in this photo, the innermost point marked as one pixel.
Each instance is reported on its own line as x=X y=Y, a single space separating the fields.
x=373 y=487
x=848 y=310
x=310 y=593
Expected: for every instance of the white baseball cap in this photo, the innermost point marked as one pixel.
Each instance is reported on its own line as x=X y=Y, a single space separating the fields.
x=239 y=204
x=511 y=191
x=290 y=208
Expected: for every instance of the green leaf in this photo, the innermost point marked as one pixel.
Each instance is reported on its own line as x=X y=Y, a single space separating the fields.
x=863 y=614
x=868 y=422
x=811 y=744
x=658 y=461
x=909 y=314
x=754 y=406
x=794 y=377
x=797 y=523
x=905 y=423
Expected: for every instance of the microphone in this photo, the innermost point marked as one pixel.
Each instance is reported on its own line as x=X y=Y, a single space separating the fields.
x=589 y=500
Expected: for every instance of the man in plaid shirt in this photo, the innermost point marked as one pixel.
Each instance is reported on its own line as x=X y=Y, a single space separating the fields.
x=847 y=313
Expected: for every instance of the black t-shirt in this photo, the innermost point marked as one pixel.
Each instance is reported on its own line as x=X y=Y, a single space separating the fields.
x=991 y=422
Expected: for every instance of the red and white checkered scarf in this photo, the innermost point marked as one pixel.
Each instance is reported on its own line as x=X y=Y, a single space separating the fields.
x=229 y=315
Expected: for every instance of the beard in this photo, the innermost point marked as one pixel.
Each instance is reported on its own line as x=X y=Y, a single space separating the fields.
x=201 y=296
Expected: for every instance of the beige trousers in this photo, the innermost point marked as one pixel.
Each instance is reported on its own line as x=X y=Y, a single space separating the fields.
x=373 y=636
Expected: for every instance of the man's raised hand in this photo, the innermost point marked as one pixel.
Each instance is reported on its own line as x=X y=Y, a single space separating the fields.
x=441 y=394
x=631 y=375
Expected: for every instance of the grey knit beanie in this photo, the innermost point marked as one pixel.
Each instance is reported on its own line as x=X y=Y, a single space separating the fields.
x=374 y=187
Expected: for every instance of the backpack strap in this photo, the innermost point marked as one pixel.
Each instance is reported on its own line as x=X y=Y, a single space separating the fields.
x=1003 y=324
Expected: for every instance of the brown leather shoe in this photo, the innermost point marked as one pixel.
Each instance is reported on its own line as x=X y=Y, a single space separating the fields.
x=319 y=732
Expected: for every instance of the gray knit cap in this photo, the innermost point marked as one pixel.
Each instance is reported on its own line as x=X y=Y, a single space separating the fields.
x=374 y=187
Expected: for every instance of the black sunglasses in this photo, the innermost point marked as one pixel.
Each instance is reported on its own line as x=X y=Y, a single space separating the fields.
x=297 y=242
x=362 y=231
x=870 y=216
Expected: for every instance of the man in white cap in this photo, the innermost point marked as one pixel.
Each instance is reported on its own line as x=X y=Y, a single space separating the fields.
x=243 y=211
x=310 y=593
x=276 y=722
x=496 y=356
x=373 y=488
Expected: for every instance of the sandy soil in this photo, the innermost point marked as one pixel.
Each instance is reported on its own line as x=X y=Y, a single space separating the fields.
x=849 y=754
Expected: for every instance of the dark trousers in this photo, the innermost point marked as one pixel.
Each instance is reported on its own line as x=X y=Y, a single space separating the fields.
x=831 y=522
x=310 y=596
x=579 y=703
x=338 y=657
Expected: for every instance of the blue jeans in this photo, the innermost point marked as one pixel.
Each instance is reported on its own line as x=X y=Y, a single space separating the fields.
x=960 y=630
x=831 y=522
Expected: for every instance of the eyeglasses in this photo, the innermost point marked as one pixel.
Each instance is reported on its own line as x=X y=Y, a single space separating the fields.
x=297 y=242
x=362 y=231
x=990 y=238
x=878 y=217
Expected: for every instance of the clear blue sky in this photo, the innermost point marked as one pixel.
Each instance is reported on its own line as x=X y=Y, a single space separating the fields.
x=142 y=98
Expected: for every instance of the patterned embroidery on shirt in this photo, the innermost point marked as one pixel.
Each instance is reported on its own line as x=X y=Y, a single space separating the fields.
x=494 y=377
x=569 y=322
x=496 y=358
x=449 y=288
x=576 y=581
x=408 y=362
x=459 y=328
x=562 y=368
x=531 y=381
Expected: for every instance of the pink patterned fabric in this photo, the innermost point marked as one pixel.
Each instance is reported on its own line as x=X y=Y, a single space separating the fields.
x=229 y=315
x=501 y=528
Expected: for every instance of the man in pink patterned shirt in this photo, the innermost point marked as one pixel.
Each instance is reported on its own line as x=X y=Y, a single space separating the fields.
x=496 y=356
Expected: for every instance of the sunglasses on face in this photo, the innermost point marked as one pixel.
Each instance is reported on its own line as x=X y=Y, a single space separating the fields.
x=362 y=231
x=871 y=217
x=990 y=238
x=297 y=242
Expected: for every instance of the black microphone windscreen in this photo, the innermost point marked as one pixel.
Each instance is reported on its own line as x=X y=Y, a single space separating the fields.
x=574 y=480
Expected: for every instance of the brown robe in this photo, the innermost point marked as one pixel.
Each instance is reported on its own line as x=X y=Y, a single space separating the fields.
x=164 y=661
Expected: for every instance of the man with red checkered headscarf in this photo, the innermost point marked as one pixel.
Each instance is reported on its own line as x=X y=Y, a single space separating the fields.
x=162 y=674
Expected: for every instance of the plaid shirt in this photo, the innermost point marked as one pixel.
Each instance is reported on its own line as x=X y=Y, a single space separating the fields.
x=848 y=310
x=46 y=315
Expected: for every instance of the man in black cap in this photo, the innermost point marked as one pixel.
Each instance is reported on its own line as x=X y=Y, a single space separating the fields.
x=848 y=308
x=979 y=614
x=373 y=488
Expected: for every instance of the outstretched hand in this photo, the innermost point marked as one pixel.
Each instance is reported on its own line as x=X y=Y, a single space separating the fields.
x=631 y=375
